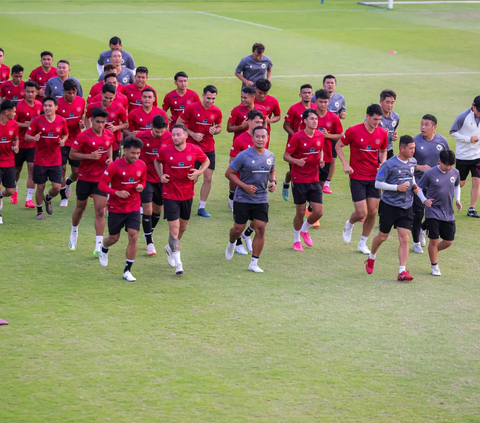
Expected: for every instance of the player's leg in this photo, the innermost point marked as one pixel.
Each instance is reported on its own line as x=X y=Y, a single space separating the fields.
x=475 y=170
x=99 y=203
x=315 y=197
x=74 y=165
x=241 y=217
x=206 y=186
x=417 y=232
x=157 y=205
x=147 y=225
x=358 y=191
x=131 y=252
x=30 y=186
x=54 y=174
x=260 y=218
x=231 y=195
x=76 y=218
x=286 y=184
x=300 y=210
x=331 y=170
x=246 y=236
x=7 y=178
x=116 y=222
x=63 y=195
x=174 y=244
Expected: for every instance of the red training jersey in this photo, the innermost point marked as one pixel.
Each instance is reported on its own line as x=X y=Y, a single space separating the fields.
x=302 y=146
x=123 y=176
x=330 y=122
x=176 y=103
x=116 y=116
x=139 y=120
x=178 y=165
x=88 y=142
x=134 y=96
x=11 y=92
x=4 y=73
x=240 y=113
x=97 y=89
x=271 y=106
x=294 y=116
x=119 y=99
x=47 y=150
x=73 y=114
x=364 y=150
x=151 y=147
x=242 y=142
x=41 y=77
x=8 y=133
x=25 y=114
x=200 y=120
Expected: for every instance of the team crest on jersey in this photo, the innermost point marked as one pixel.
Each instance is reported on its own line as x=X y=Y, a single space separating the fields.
x=394 y=123
x=139 y=173
x=59 y=129
x=264 y=65
x=182 y=107
x=125 y=79
x=337 y=104
x=112 y=115
x=412 y=169
x=452 y=180
x=10 y=133
x=269 y=162
x=189 y=158
x=318 y=143
x=212 y=117
x=377 y=141
x=329 y=124
x=439 y=147
x=79 y=109
x=188 y=102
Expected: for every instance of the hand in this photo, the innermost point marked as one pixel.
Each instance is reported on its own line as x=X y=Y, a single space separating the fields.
x=81 y=124
x=133 y=133
x=322 y=164
x=395 y=136
x=197 y=136
x=459 y=206
x=112 y=127
x=474 y=139
x=62 y=142
x=170 y=120
x=41 y=92
x=415 y=189
x=250 y=189
x=95 y=155
x=423 y=168
x=325 y=133
x=402 y=187
x=272 y=187
x=343 y=114
x=428 y=203
x=122 y=194
x=249 y=84
x=139 y=188
x=165 y=178
x=37 y=137
x=193 y=175
x=347 y=169
x=108 y=161
x=15 y=149
x=213 y=129
x=300 y=162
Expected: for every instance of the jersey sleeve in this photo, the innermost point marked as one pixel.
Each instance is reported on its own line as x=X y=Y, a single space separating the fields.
x=64 y=128
x=132 y=123
x=276 y=108
x=289 y=116
x=337 y=126
x=48 y=89
x=233 y=116
x=292 y=145
x=106 y=178
x=166 y=103
x=238 y=162
x=32 y=129
x=32 y=76
x=241 y=66
x=2 y=90
x=384 y=144
x=160 y=156
x=200 y=155
x=122 y=115
x=424 y=180
x=383 y=173
x=89 y=111
x=78 y=143
x=348 y=137
x=186 y=114
x=130 y=63
x=236 y=148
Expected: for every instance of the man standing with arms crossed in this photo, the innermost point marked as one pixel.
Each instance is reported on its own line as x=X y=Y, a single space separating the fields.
x=304 y=152
x=176 y=166
x=466 y=131
x=124 y=180
x=204 y=120
x=368 y=146
x=256 y=166
x=93 y=150
x=396 y=179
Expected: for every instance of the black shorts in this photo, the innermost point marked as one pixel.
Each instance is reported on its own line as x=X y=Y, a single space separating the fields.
x=86 y=188
x=394 y=216
x=323 y=172
x=152 y=192
x=211 y=157
x=42 y=174
x=361 y=190
x=243 y=212
x=66 y=159
x=303 y=192
x=24 y=155
x=118 y=221
x=465 y=167
x=7 y=177
x=390 y=154
x=334 y=152
x=440 y=229
x=176 y=209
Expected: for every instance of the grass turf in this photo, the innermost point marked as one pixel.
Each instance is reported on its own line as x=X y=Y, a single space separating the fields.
x=312 y=339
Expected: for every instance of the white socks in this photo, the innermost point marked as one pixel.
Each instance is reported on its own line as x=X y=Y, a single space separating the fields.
x=296 y=236
x=305 y=226
x=202 y=204
x=176 y=257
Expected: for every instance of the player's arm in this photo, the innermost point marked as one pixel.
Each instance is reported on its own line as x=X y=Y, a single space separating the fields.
x=48 y=89
x=269 y=73
x=244 y=80
x=143 y=180
x=23 y=124
x=158 y=168
x=457 y=126
x=272 y=179
x=196 y=173
x=32 y=134
x=231 y=175
x=196 y=136
x=130 y=131
x=382 y=156
x=339 y=149
x=15 y=144
x=231 y=127
x=290 y=159
x=216 y=128
x=277 y=114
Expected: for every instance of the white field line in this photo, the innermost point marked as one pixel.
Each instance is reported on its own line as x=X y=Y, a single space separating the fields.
x=238 y=20
x=426 y=28
x=342 y=75
x=427 y=2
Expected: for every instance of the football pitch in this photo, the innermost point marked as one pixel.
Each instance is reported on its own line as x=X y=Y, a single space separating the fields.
x=314 y=338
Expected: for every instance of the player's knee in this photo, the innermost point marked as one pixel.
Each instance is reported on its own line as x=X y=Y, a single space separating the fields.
x=9 y=192
x=99 y=212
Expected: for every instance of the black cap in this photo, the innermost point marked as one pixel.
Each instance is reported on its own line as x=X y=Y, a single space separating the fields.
x=476 y=102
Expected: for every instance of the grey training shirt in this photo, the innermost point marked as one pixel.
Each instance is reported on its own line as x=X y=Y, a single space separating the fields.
x=125 y=77
x=441 y=187
x=428 y=152
x=396 y=172
x=253 y=70
x=255 y=170
x=390 y=124
x=54 y=87
x=127 y=62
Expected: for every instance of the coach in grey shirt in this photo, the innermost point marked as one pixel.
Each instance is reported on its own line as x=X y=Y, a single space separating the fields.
x=125 y=77
x=254 y=67
x=54 y=86
x=390 y=119
x=115 y=44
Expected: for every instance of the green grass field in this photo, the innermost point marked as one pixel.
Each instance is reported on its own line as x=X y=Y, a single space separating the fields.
x=314 y=338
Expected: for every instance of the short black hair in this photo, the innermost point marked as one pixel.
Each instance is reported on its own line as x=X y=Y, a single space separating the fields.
x=2 y=50
x=132 y=142
x=252 y=114
x=46 y=53
x=149 y=90
x=388 y=93
x=50 y=98
x=141 y=69
x=405 y=140
x=374 y=109
x=329 y=77
x=108 y=67
x=258 y=128
x=115 y=41
x=99 y=112
x=258 y=47
x=7 y=105
x=305 y=86
x=109 y=75
x=63 y=61
x=109 y=88
x=210 y=89
x=17 y=69
x=70 y=85
x=181 y=126
x=248 y=90
x=432 y=118
x=31 y=84
x=447 y=157
x=180 y=75
x=159 y=122
x=307 y=112
x=323 y=94
x=263 y=85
